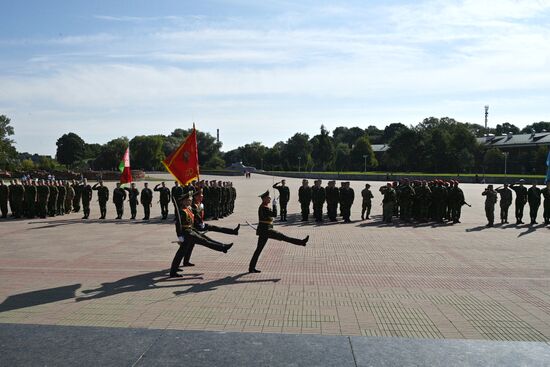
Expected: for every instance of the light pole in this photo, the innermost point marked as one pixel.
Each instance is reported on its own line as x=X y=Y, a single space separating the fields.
x=505 y=163
x=299 y=164
x=365 y=156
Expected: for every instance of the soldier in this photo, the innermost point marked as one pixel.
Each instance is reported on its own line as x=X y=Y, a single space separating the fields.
x=521 y=199
x=234 y=197
x=69 y=197
x=456 y=200
x=546 y=194
x=304 y=197
x=177 y=191
x=490 y=201
x=533 y=197
x=406 y=200
x=133 y=195
x=146 y=200
x=61 y=193
x=30 y=199
x=42 y=196
x=164 y=199
x=187 y=235
x=388 y=202
x=52 y=199
x=265 y=231
x=4 y=195
x=284 y=197
x=102 y=198
x=18 y=195
x=318 y=197
x=366 y=205
x=505 y=202
x=201 y=227
x=333 y=197
x=86 y=194
x=11 y=190
x=424 y=197
x=347 y=195
x=222 y=199
x=438 y=198
x=119 y=195
x=77 y=196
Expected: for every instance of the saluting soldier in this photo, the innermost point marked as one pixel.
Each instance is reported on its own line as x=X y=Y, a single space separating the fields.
x=347 y=195
x=102 y=198
x=42 y=196
x=333 y=197
x=318 y=197
x=521 y=199
x=366 y=205
x=133 y=199
x=187 y=235
x=546 y=194
x=61 y=192
x=146 y=200
x=533 y=197
x=77 y=196
x=505 y=202
x=119 y=195
x=164 y=198
x=388 y=202
x=52 y=199
x=490 y=201
x=284 y=197
x=30 y=199
x=69 y=197
x=4 y=195
x=265 y=231
x=304 y=197
x=86 y=193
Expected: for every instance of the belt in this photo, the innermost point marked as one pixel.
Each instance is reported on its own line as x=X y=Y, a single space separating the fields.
x=266 y=221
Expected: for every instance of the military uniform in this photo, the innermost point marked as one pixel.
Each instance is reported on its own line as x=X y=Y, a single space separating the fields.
x=388 y=202
x=86 y=196
x=30 y=200
x=546 y=195
x=333 y=198
x=304 y=197
x=77 y=197
x=284 y=198
x=42 y=196
x=533 y=198
x=366 y=205
x=69 y=198
x=177 y=191
x=490 y=201
x=61 y=192
x=505 y=202
x=52 y=200
x=424 y=198
x=119 y=195
x=406 y=199
x=318 y=197
x=133 y=200
x=347 y=195
x=521 y=200
x=456 y=200
x=4 y=195
x=102 y=198
x=265 y=231
x=164 y=199
x=146 y=200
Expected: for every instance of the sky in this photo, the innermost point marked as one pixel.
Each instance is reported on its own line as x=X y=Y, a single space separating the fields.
x=264 y=70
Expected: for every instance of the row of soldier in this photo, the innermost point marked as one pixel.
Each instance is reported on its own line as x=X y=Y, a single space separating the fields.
x=42 y=198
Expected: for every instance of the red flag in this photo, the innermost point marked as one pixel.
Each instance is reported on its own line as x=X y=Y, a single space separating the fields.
x=124 y=167
x=183 y=163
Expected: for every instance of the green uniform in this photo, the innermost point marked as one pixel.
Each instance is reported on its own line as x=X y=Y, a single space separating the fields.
x=366 y=206
x=61 y=193
x=86 y=193
x=304 y=197
x=52 y=201
x=490 y=201
x=133 y=200
x=30 y=201
x=388 y=203
x=533 y=198
x=284 y=198
x=77 y=197
x=42 y=196
x=146 y=200
x=333 y=198
x=69 y=197
x=406 y=200
x=164 y=199
x=318 y=197
x=102 y=198
x=521 y=200
x=347 y=195
x=505 y=202
x=119 y=195
x=456 y=200
x=546 y=195
x=4 y=195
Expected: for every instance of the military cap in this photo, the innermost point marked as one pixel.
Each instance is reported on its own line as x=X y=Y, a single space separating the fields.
x=265 y=194
x=522 y=180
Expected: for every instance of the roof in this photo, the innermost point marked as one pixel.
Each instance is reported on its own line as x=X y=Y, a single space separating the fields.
x=515 y=141
x=379 y=148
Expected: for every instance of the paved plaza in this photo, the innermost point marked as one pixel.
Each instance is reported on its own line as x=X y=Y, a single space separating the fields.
x=365 y=278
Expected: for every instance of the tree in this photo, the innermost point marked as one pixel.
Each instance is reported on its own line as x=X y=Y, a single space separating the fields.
x=494 y=160
x=111 y=153
x=391 y=130
x=146 y=152
x=536 y=127
x=70 y=149
x=27 y=165
x=346 y=135
x=322 y=149
x=362 y=148
x=297 y=152
x=253 y=154
x=273 y=157
x=7 y=151
x=342 y=157
x=506 y=128
x=404 y=151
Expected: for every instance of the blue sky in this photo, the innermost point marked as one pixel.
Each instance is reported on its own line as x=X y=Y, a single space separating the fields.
x=263 y=70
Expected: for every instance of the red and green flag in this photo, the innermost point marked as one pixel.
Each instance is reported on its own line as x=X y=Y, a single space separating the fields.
x=124 y=167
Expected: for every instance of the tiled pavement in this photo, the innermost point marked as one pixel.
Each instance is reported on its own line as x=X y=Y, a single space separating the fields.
x=363 y=278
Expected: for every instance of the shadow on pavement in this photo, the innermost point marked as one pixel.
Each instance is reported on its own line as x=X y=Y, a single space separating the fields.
x=65 y=222
x=231 y=280
x=40 y=297
x=531 y=229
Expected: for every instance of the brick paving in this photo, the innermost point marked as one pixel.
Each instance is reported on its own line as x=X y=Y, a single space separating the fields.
x=363 y=278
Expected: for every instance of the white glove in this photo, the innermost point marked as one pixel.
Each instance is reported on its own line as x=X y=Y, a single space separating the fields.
x=180 y=239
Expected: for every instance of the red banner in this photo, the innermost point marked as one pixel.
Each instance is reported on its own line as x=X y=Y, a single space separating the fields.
x=183 y=163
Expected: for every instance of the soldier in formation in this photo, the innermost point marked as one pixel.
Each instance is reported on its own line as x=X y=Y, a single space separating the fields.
x=86 y=193
x=119 y=195
x=133 y=199
x=505 y=202
x=366 y=205
x=146 y=200
x=304 y=197
x=490 y=201
x=521 y=199
x=347 y=195
x=332 y=195
x=164 y=199
x=102 y=198
x=284 y=197
x=318 y=198
x=4 y=194
x=533 y=198
x=546 y=195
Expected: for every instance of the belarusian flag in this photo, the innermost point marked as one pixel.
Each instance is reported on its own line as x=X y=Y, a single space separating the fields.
x=124 y=167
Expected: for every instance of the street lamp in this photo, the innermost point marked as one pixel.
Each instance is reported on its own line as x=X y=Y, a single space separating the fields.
x=365 y=156
x=299 y=164
x=505 y=162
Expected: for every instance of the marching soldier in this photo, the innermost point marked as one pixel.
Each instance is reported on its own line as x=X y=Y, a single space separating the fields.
x=490 y=201
x=86 y=196
x=42 y=196
x=52 y=199
x=284 y=197
x=505 y=202
x=533 y=197
x=77 y=196
x=61 y=192
x=347 y=195
x=333 y=197
x=119 y=195
x=521 y=199
x=388 y=202
x=164 y=198
x=318 y=197
x=187 y=235
x=69 y=197
x=146 y=200
x=366 y=205
x=304 y=197
x=102 y=198
x=133 y=195
x=265 y=231
x=201 y=227
x=4 y=195
x=546 y=194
